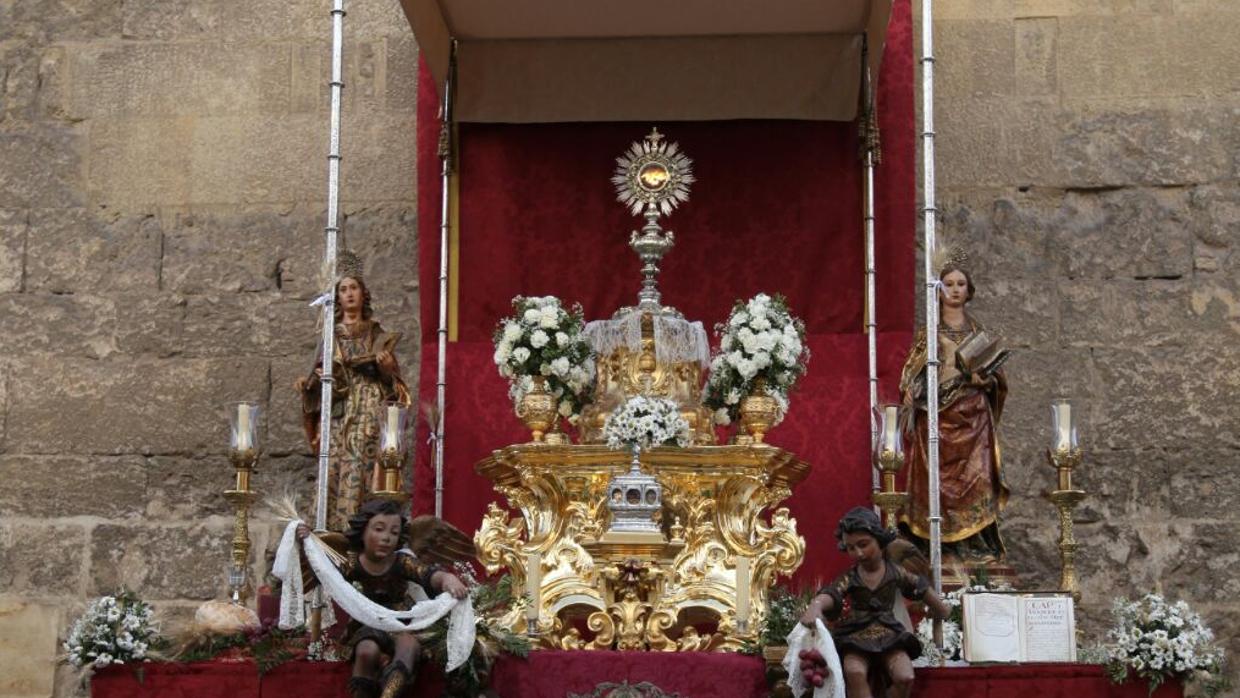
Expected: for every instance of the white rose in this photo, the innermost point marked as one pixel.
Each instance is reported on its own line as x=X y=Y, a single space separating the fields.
x=560 y=366
x=721 y=417
x=539 y=339
x=521 y=354
x=735 y=358
x=531 y=316
x=550 y=317
x=561 y=339
x=750 y=343
x=738 y=319
x=759 y=323
x=762 y=359
x=512 y=331
x=765 y=341
x=747 y=369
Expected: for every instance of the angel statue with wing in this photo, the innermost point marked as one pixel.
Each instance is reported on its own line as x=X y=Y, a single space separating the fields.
x=368 y=571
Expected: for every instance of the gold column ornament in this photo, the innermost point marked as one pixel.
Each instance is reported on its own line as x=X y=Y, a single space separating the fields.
x=395 y=416
x=243 y=452
x=1065 y=456
x=889 y=457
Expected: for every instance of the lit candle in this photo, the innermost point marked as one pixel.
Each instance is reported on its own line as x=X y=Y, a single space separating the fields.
x=393 y=428
x=533 y=586
x=1063 y=437
x=742 y=589
x=889 y=427
x=243 y=427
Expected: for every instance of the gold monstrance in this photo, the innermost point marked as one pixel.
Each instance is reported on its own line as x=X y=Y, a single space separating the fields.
x=696 y=576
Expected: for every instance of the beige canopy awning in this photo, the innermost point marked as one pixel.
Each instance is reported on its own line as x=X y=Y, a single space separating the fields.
x=531 y=61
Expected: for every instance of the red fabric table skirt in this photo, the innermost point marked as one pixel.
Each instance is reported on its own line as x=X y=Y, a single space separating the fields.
x=550 y=674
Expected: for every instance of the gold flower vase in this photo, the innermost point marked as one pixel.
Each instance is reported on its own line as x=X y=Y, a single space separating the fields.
x=758 y=411
x=537 y=409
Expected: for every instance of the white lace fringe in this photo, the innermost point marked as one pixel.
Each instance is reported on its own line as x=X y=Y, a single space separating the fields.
x=675 y=340
x=287 y=567
x=802 y=638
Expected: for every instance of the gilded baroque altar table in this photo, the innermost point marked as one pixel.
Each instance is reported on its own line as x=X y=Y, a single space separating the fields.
x=699 y=584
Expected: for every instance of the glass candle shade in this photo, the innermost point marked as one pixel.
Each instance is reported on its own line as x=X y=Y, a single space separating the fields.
x=888 y=437
x=243 y=426
x=393 y=419
x=1063 y=425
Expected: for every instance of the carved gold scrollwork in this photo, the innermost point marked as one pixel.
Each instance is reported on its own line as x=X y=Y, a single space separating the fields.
x=604 y=629
x=498 y=542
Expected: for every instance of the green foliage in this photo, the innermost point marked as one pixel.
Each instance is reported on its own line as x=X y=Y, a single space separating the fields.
x=784 y=609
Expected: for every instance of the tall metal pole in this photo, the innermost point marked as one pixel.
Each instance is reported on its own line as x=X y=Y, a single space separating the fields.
x=932 y=289
x=446 y=154
x=329 y=264
x=868 y=144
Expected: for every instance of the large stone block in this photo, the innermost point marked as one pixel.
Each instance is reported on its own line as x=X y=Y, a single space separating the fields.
x=28 y=647
x=151 y=80
x=1036 y=375
x=1133 y=233
x=41 y=560
x=1216 y=227
x=285 y=433
x=1104 y=146
x=1006 y=234
x=12 y=249
x=1154 y=397
x=402 y=73
x=216 y=249
x=58 y=20
x=276 y=20
x=239 y=159
x=139 y=405
x=183 y=489
x=1200 y=481
x=66 y=486
x=42 y=166
x=172 y=20
x=162 y=562
x=1036 y=56
x=968 y=9
x=154 y=324
x=247 y=324
x=78 y=250
x=137 y=164
x=1201 y=555
x=976 y=58
x=1023 y=311
x=1124 y=312
x=973 y=143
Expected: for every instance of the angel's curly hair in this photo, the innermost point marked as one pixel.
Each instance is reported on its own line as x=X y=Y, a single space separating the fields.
x=862 y=520
x=369 y=510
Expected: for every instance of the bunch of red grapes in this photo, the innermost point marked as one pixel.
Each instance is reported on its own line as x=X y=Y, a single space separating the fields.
x=813 y=667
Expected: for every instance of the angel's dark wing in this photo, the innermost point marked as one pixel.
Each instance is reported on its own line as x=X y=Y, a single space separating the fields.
x=908 y=556
x=434 y=540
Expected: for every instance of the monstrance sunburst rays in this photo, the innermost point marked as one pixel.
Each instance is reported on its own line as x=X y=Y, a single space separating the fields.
x=653 y=172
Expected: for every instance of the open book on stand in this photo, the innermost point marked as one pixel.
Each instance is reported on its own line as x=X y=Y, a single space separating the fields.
x=981 y=353
x=1019 y=627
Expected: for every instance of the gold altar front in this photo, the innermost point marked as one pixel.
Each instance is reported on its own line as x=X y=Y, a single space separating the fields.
x=601 y=590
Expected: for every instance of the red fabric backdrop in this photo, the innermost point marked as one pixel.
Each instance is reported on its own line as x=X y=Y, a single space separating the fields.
x=777 y=208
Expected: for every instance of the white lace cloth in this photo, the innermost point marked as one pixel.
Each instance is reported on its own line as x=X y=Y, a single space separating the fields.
x=802 y=638
x=287 y=567
x=675 y=340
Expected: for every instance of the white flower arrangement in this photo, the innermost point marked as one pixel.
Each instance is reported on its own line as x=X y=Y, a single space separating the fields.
x=761 y=339
x=542 y=338
x=1158 y=640
x=646 y=422
x=112 y=630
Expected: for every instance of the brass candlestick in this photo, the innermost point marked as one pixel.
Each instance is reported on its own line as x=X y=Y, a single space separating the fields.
x=389 y=460
x=241 y=497
x=889 y=499
x=1065 y=499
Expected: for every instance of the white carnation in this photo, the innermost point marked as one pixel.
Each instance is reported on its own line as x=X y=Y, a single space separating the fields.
x=738 y=319
x=539 y=339
x=721 y=417
x=560 y=366
x=512 y=331
x=531 y=316
x=561 y=339
x=521 y=354
x=550 y=317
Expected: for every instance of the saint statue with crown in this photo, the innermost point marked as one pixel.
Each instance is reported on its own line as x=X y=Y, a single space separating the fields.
x=972 y=389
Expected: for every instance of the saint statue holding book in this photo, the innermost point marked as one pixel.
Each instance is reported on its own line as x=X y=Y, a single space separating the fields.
x=972 y=389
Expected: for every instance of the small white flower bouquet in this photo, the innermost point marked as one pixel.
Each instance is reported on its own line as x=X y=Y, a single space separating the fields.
x=544 y=339
x=646 y=422
x=760 y=340
x=113 y=630
x=1157 y=640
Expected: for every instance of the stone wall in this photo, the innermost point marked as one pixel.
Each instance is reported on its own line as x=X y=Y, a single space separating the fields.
x=162 y=203
x=1088 y=160
x=161 y=210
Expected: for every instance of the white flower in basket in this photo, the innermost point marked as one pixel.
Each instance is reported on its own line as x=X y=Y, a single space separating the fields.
x=644 y=422
x=1157 y=640
x=112 y=630
x=543 y=339
x=761 y=343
